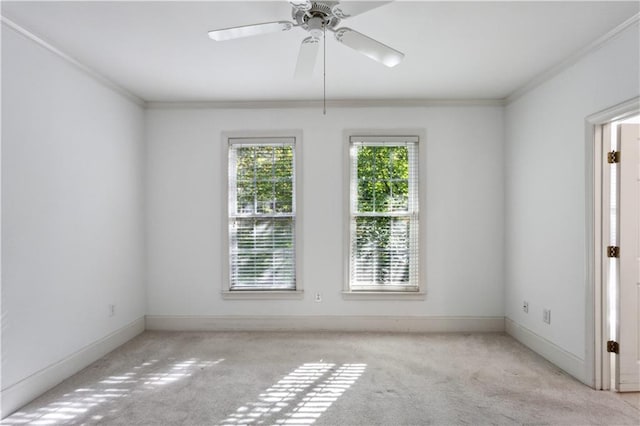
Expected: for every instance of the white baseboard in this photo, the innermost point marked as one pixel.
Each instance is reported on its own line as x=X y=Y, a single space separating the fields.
x=553 y=353
x=29 y=388
x=325 y=323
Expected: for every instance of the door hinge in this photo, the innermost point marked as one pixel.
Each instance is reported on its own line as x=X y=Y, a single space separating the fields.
x=613 y=251
x=613 y=157
x=613 y=347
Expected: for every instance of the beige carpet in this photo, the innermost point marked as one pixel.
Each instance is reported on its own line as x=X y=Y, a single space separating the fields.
x=198 y=378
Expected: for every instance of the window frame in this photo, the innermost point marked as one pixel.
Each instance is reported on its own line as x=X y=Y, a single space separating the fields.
x=253 y=137
x=393 y=292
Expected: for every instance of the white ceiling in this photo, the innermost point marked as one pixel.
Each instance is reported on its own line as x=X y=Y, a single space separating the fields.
x=160 y=51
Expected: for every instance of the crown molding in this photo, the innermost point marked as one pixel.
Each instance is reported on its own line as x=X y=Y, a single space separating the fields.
x=571 y=60
x=339 y=103
x=104 y=81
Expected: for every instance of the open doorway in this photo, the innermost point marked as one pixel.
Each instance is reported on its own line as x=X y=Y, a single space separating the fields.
x=614 y=267
x=621 y=265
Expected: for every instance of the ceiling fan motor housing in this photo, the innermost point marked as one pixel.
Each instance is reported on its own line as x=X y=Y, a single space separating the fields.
x=316 y=19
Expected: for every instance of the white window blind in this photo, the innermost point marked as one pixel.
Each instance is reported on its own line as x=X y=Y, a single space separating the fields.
x=262 y=206
x=384 y=213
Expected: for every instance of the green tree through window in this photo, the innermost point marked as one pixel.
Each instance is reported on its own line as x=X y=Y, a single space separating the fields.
x=383 y=216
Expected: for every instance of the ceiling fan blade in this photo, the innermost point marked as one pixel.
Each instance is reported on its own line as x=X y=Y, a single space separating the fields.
x=250 y=30
x=369 y=47
x=301 y=4
x=307 y=58
x=348 y=9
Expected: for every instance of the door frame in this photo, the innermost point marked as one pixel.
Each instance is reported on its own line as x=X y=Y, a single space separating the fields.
x=596 y=196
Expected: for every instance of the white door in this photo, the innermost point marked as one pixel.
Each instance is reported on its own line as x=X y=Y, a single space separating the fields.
x=628 y=360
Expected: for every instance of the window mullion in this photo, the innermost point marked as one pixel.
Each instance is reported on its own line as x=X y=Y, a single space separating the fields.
x=273 y=206
x=255 y=180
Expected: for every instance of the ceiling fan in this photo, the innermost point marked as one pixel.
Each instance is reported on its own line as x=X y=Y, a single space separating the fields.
x=317 y=17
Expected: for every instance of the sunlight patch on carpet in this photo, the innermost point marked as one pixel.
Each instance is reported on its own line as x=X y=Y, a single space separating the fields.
x=299 y=398
x=146 y=376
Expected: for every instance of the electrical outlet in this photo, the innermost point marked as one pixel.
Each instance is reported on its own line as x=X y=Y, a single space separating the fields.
x=546 y=315
x=318 y=297
x=525 y=307
x=112 y=310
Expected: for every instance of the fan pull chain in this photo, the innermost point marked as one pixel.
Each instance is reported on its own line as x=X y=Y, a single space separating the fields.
x=324 y=69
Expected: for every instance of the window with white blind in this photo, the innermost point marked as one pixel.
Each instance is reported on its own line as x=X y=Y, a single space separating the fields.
x=383 y=240
x=262 y=214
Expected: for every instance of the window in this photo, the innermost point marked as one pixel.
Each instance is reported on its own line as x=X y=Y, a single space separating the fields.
x=383 y=237
x=262 y=214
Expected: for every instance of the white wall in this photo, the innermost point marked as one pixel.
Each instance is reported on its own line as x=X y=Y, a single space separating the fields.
x=464 y=194
x=545 y=189
x=72 y=210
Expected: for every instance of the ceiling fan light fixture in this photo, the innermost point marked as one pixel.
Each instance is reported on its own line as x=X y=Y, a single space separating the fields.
x=316 y=27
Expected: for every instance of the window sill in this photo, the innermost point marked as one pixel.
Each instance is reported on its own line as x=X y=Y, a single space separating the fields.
x=383 y=295
x=263 y=295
